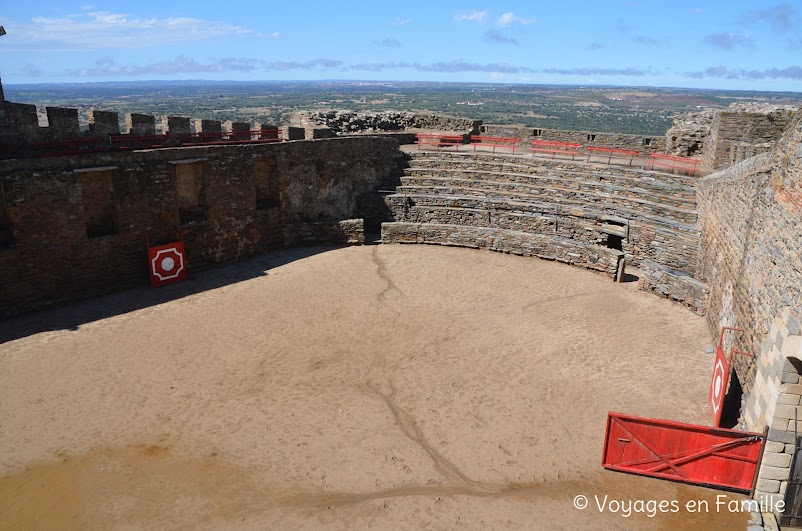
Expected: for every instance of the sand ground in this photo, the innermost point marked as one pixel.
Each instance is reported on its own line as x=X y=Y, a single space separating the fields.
x=387 y=387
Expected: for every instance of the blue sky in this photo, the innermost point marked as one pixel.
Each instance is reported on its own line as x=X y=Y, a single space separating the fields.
x=711 y=44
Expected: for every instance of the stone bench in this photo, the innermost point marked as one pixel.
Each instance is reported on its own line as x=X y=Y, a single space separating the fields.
x=610 y=262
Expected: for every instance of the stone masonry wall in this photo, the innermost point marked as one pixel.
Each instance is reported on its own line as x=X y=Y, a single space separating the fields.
x=75 y=227
x=751 y=257
x=689 y=134
x=737 y=134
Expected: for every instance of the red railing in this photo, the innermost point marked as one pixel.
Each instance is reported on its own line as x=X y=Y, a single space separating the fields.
x=495 y=141
x=555 y=148
x=80 y=146
x=434 y=139
x=673 y=162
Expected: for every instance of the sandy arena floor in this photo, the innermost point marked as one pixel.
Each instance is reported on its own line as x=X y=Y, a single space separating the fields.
x=391 y=387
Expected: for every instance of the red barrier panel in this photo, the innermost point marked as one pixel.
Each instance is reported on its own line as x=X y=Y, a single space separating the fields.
x=721 y=375
x=698 y=455
x=718 y=386
x=167 y=264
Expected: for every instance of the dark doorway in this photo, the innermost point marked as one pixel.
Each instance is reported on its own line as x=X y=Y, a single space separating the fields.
x=615 y=242
x=731 y=409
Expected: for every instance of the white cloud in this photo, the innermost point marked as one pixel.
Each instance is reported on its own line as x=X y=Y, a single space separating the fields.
x=474 y=16
x=179 y=65
x=508 y=19
x=96 y=30
x=401 y=21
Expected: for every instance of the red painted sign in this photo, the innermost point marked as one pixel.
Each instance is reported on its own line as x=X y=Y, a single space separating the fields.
x=167 y=264
x=718 y=385
x=698 y=455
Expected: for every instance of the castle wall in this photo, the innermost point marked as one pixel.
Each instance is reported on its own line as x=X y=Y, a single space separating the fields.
x=751 y=257
x=75 y=227
x=736 y=135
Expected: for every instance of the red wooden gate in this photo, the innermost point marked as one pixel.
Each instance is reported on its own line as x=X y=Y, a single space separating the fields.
x=699 y=455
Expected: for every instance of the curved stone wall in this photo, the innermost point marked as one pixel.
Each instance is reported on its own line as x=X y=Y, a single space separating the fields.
x=566 y=250
x=650 y=217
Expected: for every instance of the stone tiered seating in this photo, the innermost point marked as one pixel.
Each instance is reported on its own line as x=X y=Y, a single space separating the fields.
x=607 y=261
x=650 y=216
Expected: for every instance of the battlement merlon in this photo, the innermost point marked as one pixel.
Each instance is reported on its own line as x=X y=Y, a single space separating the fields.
x=102 y=123
x=62 y=123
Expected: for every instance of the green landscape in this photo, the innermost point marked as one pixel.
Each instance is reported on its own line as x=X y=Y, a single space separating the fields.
x=635 y=110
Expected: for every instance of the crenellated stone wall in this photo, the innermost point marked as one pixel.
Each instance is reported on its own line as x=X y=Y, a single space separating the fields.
x=74 y=227
x=24 y=136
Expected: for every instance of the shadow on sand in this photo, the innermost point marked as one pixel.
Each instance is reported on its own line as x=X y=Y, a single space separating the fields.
x=73 y=315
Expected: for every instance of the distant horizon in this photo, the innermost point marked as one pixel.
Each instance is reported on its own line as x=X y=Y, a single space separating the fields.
x=694 y=44
x=134 y=82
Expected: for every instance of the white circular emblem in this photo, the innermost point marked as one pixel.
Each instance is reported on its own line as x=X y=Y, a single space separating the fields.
x=717 y=386
x=168 y=264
